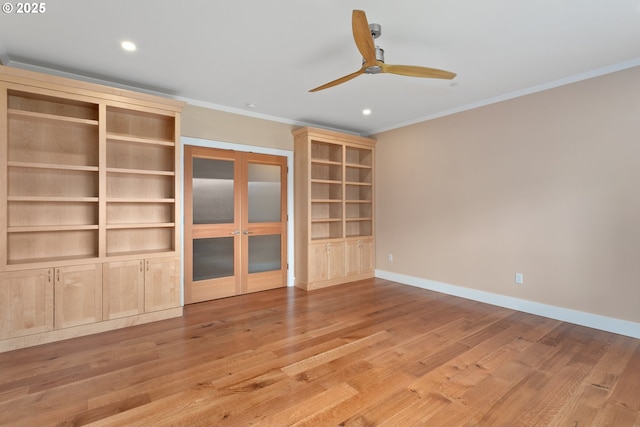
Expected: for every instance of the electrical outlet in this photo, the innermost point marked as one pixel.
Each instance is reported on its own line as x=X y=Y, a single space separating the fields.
x=519 y=278
x=390 y=257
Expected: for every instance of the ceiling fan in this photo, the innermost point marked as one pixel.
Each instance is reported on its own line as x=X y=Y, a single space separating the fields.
x=373 y=56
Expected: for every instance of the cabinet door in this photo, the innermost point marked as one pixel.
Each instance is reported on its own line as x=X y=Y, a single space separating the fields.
x=353 y=256
x=335 y=253
x=123 y=289
x=161 y=284
x=26 y=302
x=367 y=260
x=358 y=257
x=78 y=295
x=326 y=261
x=318 y=263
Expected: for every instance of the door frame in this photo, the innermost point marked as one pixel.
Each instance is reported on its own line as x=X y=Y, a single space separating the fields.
x=207 y=143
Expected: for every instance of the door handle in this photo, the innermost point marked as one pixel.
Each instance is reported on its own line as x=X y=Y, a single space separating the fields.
x=235 y=232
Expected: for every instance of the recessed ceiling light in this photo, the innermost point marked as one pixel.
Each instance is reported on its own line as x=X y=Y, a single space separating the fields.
x=251 y=104
x=128 y=46
x=366 y=111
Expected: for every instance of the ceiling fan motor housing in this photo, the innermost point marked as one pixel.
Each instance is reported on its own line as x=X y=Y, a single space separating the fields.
x=376 y=31
x=375 y=69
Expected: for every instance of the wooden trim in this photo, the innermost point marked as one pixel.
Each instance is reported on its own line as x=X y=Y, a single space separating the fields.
x=188 y=223
x=56 y=83
x=79 y=331
x=102 y=180
x=332 y=282
x=177 y=186
x=4 y=149
x=332 y=136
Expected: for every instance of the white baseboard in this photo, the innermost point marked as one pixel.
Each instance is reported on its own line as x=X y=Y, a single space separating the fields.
x=609 y=324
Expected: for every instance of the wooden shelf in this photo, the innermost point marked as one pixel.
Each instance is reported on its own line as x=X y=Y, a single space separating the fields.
x=140 y=126
x=140 y=172
x=325 y=162
x=140 y=225
x=139 y=140
x=40 y=117
x=357 y=156
x=33 y=229
x=148 y=238
x=52 y=199
x=327 y=152
x=51 y=260
x=52 y=242
x=138 y=254
x=132 y=187
x=326 y=181
x=133 y=200
x=52 y=166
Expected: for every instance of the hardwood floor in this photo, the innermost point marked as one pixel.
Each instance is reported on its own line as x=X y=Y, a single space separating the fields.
x=370 y=353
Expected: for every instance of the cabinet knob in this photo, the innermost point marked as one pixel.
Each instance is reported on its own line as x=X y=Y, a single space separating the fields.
x=236 y=232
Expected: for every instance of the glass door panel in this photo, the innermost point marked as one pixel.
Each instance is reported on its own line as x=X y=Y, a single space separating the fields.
x=213 y=185
x=264 y=253
x=212 y=258
x=264 y=187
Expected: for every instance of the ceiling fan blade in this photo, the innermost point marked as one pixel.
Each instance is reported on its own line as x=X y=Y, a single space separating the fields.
x=413 y=71
x=339 y=81
x=363 y=38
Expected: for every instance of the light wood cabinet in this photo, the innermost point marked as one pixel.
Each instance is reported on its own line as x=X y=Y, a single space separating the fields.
x=78 y=295
x=140 y=286
x=123 y=289
x=27 y=299
x=326 y=261
x=359 y=257
x=161 y=284
x=26 y=302
x=334 y=205
x=89 y=178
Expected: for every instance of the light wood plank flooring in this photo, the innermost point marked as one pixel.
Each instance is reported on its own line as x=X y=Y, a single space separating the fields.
x=370 y=353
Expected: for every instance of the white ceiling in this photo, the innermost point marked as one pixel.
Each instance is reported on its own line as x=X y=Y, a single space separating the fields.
x=225 y=54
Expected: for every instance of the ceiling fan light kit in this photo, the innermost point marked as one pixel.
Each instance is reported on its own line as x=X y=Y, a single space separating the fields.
x=373 y=56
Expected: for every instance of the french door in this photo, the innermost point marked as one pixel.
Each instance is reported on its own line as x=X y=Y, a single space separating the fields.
x=235 y=223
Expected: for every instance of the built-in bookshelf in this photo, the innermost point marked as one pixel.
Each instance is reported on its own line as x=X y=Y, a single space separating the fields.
x=334 y=203
x=91 y=178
